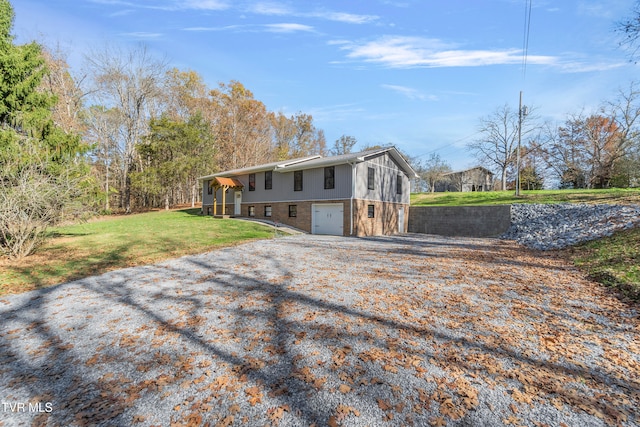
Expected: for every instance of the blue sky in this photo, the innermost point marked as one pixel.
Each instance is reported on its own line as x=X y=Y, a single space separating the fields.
x=414 y=73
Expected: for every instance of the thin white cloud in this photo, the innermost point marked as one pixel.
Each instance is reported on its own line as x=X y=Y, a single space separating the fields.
x=585 y=67
x=206 y=29
x=205 y=4
x=123 y=12
x=271 y=28
x=338 y=112
x=409 y=92
x=415 y=52
x=287 y=28
x=348 y=18
x=171 y=6
x=259 y=8
x=142 y=35
x=270 y=8
x=280 y=9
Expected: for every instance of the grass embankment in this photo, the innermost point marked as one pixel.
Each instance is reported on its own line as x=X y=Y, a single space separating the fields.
x=613 y=196
x=613 y=261
x=104 y=244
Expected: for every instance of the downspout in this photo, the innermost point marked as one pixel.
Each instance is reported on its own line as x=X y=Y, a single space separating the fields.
x=353 y=191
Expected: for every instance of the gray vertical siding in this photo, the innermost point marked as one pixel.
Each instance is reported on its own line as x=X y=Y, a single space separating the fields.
x=207 y=199
x=312 y=186
x=386 y=177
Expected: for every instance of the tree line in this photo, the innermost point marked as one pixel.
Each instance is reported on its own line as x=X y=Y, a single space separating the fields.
x=129 y=133
x=598 y=149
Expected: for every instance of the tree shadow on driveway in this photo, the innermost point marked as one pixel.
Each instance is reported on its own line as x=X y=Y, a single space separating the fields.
x=298 y=331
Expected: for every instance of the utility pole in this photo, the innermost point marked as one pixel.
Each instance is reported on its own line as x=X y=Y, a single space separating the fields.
x=522 y=112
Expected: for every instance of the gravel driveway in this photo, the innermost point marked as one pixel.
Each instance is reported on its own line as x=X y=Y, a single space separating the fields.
x=304 y=330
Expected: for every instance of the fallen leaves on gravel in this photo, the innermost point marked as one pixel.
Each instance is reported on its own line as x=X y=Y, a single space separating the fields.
x=415 y=334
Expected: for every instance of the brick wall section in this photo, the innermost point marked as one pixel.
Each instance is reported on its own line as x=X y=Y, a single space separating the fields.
x=463 y=221
x=280 y=213
x=385 y=220
x=229 y=208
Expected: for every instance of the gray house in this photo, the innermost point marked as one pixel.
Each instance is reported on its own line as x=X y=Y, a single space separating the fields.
x=356 y=194
x=474 y=179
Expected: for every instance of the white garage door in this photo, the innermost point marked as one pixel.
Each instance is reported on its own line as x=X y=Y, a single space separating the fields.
x=328 y=218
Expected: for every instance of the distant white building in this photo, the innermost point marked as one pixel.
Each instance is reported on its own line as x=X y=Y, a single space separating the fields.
x=477 y=178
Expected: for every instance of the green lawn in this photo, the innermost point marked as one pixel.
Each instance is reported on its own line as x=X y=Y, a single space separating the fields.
x=614 y=196
x=110 y=243
x=613 y=261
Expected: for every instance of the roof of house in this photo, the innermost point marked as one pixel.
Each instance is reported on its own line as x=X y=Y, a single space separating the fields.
x=259 y=168
x=227 y=182
x=469 y=169
x=319 y=161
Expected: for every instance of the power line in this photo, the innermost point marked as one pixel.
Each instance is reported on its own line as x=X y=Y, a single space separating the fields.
x=527 y=30
x=448 y=144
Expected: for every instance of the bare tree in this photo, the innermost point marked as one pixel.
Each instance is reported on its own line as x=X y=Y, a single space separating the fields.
x=588 y=150
x=32 y=199
x=630 y=31
x=499 y=141
x=434 y=170
x=68 y=88
x=102 y=131
x=130 y=83
x=344 y=145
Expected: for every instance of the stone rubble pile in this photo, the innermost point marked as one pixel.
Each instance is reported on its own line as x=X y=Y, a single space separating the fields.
x=557 y=226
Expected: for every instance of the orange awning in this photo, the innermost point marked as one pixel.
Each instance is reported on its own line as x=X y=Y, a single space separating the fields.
x=226 y=182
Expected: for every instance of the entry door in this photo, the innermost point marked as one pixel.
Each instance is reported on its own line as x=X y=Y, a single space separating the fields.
x=238 y=203
x=328 y=219
x=401 y=220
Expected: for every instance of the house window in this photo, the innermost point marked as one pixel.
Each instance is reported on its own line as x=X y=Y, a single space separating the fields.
x=267 y=211
x=209 y=187
x=252 y=182
x=329 y=177
x=399 y=185
x=371 y=178
x=371 y=211
x=209 y=210
x=252 y=211
x=297 y=181
x=268 y=180
x=293 y=211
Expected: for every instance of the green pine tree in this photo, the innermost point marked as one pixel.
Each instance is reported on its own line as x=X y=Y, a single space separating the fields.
x=42 y=168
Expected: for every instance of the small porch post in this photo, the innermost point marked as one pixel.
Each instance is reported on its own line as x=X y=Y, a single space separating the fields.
x=224 y=197
x=223 y=184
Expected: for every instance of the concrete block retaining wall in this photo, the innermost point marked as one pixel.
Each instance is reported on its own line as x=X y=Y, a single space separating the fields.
x=463 y=221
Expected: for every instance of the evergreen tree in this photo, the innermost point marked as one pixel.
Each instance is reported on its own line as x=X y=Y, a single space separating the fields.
x=41 y=171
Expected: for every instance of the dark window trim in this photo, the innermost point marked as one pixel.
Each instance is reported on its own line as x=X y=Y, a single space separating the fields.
x=297 y=180
x=293 y=211
x=209 y=188
x=371 y=211
x=371 y=179
x=252 y=211
x=268 y=180
x=329 y=177
x=252 y=182
x=270 y=211
x=399 y=184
